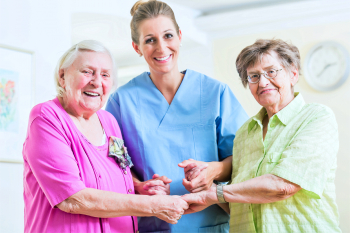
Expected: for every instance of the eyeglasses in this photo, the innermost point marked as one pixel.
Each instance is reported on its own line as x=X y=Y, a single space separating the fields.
x=270 y=74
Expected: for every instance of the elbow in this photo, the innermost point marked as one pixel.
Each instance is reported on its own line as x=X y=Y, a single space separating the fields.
x=72 y=206
x=67 y=206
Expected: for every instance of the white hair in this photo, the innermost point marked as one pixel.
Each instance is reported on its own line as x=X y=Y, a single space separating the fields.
x=70 y=55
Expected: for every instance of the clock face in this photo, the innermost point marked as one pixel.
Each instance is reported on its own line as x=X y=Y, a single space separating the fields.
x=327 y=66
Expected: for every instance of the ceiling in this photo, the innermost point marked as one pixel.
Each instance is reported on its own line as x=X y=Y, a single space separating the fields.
x=216 y=6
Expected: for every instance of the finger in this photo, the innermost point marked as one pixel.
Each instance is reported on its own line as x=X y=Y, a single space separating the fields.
x=189 y=173
x=187 y=184
x=165 y=179
x=189 y=211
x=158 y=188
x=190 y=167
x=155 y=176
x=203 y=166
x=156 y=192
x=194 y=174
x=198 y=181
x=153 y=183
x=190 y=198
x=173 y=221
x=185 y=163
x=202 y=188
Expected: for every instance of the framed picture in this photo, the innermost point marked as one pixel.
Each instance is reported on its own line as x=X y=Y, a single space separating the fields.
x=16 y=100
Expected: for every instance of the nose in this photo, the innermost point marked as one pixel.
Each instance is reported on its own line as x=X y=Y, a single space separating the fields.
x=263 y=82
x=96 y=80
x=161 y=45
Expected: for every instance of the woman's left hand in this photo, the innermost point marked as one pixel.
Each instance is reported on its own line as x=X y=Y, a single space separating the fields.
x=198 y=175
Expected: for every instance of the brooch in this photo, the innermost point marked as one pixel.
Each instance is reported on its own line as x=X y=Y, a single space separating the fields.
x=118 y=151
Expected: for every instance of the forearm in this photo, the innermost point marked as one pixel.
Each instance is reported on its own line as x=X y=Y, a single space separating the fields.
x=222 y=170
x=105 y=204
x=263 y=189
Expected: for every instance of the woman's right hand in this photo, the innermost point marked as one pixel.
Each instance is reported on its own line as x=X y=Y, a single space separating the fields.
x=158 y=185
x=169 y=208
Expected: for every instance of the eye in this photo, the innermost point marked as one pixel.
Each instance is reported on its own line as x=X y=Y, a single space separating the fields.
x=87 y=72
x=254 y=76
x=150 y=40
x=106 y=75
x=271 y=72
x=168 y=35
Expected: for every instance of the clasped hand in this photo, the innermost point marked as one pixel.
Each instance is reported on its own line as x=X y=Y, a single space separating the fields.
x=198 y=175
x=198 y=179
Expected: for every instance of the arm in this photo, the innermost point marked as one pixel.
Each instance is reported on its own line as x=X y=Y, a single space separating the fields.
x=105 y=204
x=259 y=190
x=200 y=175
x=156 y=186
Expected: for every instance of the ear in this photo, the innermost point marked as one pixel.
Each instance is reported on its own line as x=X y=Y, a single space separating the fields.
x=180 y=35
x=294 y=76
x=61 y=79
x=136 y=48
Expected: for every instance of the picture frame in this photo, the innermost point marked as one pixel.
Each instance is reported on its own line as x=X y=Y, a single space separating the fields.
x=17 y=97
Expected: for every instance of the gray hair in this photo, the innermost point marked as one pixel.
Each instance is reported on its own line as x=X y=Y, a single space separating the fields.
x=71 y=54
x=149 y=9
x=288 y=54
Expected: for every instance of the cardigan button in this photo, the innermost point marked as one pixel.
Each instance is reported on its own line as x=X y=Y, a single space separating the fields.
x=125 y=172
x=130 y=190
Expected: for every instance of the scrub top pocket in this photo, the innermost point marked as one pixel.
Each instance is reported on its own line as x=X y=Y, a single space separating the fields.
x=205 y=143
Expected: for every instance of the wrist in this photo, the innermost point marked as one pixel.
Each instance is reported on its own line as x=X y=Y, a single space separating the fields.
x=220 y=193
x=213 y=198
x=214 y=170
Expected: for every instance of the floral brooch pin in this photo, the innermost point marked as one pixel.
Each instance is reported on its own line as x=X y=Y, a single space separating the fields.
x=119 y=152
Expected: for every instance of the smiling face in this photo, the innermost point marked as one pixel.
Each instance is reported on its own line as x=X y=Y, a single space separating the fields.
x=87 y=82
x=273 y=93
x=159 y=44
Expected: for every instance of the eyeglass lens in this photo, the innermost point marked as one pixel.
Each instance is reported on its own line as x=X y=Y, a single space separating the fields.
x=254 y=78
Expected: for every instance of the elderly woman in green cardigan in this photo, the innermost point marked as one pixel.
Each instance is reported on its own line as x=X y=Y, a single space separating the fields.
x=284 y=157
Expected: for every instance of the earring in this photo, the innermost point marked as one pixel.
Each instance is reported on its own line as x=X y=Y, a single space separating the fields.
x=140 y=54
x=181 y=45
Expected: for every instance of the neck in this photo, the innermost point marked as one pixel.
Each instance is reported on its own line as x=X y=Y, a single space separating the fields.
x=167 y=83
x=273 y=109
x=72 y=111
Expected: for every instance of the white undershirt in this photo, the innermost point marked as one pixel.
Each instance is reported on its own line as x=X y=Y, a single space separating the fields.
x=104 y=137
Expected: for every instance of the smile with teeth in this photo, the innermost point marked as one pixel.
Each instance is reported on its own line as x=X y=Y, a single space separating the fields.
x=162 y=58
x=91 y=93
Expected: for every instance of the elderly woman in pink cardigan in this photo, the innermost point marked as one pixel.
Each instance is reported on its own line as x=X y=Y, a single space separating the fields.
x=77 y=174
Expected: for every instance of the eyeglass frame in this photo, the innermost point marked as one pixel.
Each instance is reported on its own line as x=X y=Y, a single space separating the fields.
x=265 y=75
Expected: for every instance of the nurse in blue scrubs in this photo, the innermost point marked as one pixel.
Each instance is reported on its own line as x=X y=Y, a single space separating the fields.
x=168 y=117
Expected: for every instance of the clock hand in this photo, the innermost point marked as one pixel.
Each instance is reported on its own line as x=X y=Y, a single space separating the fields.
x=328 y=65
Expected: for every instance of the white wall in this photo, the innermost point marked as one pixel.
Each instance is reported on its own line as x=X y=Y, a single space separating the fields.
x=226 y=51
x=44 y=27
x=35 y=26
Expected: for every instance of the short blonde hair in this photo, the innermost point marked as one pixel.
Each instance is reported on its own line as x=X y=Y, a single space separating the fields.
x=149 y=9
x=288 y=54
x=70 y=55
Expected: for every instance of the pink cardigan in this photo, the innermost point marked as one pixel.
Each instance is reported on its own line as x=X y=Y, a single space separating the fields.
x=58 y=162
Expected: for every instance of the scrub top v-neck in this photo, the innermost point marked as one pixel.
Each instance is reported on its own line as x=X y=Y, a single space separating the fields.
x=200 y=123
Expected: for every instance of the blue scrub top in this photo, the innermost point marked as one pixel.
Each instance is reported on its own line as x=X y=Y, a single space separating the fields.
x=200 y=123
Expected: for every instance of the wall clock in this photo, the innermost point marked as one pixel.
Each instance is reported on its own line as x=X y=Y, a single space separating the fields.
x=327 y=66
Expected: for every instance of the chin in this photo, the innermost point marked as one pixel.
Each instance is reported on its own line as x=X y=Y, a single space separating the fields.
x=94 y=107
x=267 y=101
